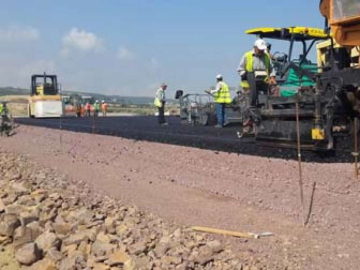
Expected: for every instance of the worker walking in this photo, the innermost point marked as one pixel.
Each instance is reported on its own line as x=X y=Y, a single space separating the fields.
x=104 y=108
x=96 y=108
x=159 y=102
x=222 y=97
x=78 y=109
x=256 y=71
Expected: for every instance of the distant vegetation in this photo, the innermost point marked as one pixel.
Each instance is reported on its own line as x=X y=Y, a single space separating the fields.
x=11 y=91
x=18 y=99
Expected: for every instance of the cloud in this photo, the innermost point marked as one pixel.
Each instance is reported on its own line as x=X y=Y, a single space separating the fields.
x=125 y=54
x=17 y=33
x=80 y=40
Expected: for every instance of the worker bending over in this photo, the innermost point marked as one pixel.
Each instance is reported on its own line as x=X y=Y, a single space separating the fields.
x=222 y=97
x=160 y=104
x=5 y=119
x=257 y=73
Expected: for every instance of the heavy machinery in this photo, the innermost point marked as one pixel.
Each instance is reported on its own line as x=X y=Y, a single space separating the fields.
x=292 y=71
x=200 y=109
x=328 y=109
x=74 y=104
x=196 y=108
x=275 y=114
x=45 y=99
x=324 y=52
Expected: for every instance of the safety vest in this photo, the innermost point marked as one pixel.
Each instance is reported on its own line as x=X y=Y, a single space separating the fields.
x=223 y=96
x=1 y=109
x=97 y=107
x=250 y=66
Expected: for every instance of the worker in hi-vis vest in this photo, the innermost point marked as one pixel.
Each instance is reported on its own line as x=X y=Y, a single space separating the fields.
x=256 y=62
x=5 y=117
x=222 y=97
x=159 y=102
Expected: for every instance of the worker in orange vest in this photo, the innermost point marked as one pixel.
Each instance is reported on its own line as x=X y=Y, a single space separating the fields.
x=88 y=109
x=104 y=108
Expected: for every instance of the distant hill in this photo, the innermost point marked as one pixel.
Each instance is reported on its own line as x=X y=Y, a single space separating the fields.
x=5 y=91
x=114 y=98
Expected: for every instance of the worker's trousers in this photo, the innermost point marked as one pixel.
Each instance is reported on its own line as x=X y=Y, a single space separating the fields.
x=220 y=114
x=161 y=117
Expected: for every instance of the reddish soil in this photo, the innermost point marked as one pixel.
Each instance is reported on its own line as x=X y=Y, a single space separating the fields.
x=216 y=189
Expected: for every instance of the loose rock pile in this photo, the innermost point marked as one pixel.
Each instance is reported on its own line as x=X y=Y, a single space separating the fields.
x=48 y=222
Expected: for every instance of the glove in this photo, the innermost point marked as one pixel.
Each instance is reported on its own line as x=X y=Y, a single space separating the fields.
x=272 y=81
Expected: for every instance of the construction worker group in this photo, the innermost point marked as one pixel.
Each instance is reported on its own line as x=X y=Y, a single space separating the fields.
x=95 y=108
x=255 y=65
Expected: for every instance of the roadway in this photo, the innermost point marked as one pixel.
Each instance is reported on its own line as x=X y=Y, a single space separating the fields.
x=146 y=128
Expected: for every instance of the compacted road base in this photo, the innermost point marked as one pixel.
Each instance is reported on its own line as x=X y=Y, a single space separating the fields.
x=195 y=187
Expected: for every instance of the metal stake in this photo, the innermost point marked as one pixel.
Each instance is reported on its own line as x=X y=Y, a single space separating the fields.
x=299 y=160
x=93 y=126
x=60 y=120
x=356 y=147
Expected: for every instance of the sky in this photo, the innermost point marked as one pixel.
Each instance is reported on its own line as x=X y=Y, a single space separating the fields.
x=129 y=47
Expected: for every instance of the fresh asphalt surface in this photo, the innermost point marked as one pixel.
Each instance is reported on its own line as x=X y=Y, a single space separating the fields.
x=146 y=128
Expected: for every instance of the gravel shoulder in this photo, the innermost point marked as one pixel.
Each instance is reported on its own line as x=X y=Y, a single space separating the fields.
x=209 y=188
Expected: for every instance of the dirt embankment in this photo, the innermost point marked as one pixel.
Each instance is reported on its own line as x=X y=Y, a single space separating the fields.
x=49 y=222
x=215 y=189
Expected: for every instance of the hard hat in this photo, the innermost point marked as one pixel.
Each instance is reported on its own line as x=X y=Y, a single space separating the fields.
x=219 y=77
x=260 y=44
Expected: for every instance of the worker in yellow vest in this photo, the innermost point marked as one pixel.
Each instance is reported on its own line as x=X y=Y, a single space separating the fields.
x=159 y=102
x=222 y=97
x=5 y=119
x=255 y=64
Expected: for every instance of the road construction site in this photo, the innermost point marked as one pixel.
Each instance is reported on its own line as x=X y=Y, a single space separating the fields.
x=204 y=137
x=211 y=188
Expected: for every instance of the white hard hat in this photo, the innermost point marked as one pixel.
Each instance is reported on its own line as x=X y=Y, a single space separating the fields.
x=219 y=76
x=260 y=44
